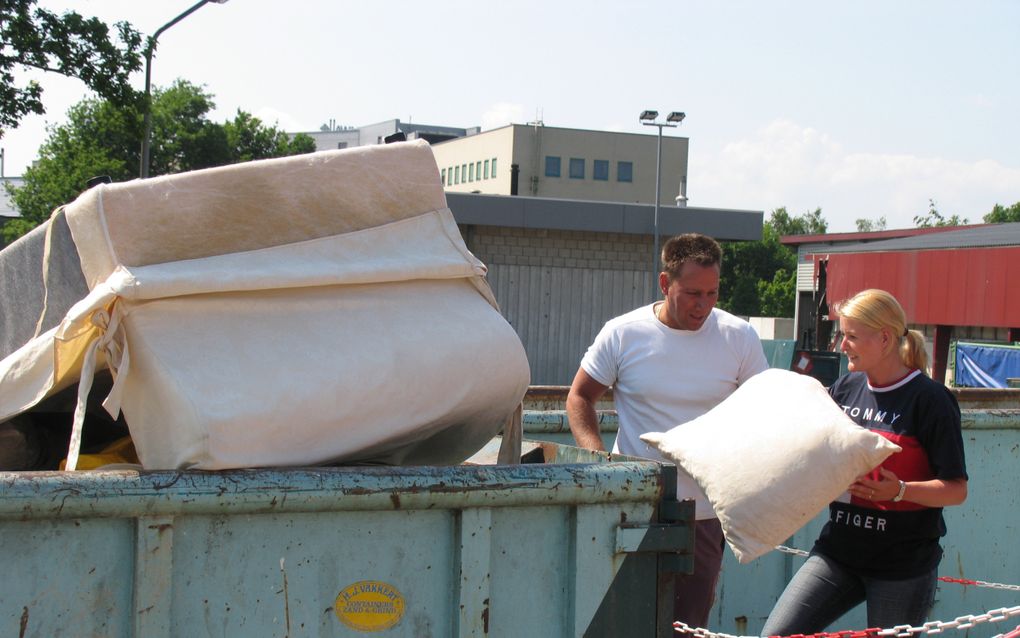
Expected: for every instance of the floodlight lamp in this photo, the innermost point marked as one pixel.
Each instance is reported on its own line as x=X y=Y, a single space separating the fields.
x=676 y=116
x=648 y=115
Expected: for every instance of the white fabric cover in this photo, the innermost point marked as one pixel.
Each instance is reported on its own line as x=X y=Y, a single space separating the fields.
x=771 y=457
x=312 y=309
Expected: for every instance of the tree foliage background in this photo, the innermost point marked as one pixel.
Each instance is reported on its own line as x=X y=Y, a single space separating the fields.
x=102 y=134
x=935 y=219
x=68 y=44
x=1003 y=214
x=759 y=279
x=103 y=138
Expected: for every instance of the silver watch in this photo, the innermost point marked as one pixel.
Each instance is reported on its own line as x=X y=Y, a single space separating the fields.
x=899 y=495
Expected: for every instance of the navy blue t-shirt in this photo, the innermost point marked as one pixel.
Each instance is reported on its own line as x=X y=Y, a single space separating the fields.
x=887 y=539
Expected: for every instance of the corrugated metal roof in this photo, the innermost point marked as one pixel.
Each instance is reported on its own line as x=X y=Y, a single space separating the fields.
x=871 y=235
x=984 y=236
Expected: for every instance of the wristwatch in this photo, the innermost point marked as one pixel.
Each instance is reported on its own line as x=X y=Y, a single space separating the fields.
x=899 y=495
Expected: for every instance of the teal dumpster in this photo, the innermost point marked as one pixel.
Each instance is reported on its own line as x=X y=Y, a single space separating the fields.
x=574 y=545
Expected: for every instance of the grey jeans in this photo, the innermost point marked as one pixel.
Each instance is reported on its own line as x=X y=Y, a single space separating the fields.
x=822 y=590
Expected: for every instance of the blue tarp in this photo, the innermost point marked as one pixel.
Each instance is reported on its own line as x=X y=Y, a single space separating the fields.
x=982 y=365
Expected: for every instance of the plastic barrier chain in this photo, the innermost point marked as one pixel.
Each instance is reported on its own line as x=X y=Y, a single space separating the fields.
x=900 y=631
x=945 y=579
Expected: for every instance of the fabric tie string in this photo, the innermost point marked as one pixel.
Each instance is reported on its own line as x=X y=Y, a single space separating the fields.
x=114 y=347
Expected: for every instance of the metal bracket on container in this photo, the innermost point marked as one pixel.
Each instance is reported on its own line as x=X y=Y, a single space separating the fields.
x=672 y=538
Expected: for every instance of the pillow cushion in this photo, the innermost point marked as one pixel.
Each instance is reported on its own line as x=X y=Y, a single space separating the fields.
x=771 y=457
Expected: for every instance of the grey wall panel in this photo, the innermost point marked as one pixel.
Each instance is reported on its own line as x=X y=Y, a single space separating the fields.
x=558 y=311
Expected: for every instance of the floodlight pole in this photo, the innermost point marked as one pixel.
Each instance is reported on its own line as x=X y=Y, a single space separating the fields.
x=143 y=169
x=649 y=118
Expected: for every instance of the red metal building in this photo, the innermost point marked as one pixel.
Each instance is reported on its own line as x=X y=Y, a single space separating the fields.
x=965 y=276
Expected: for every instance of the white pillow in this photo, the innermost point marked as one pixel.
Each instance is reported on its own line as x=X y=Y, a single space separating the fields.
x=771 y=457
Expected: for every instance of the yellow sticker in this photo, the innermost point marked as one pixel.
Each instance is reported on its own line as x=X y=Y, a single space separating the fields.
x=369 y=605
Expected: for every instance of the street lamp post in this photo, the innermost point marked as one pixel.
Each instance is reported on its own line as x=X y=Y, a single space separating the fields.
x=143 y=169
x=649 y=118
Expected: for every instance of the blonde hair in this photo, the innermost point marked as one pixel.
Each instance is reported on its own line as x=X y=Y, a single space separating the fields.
x=878 y=309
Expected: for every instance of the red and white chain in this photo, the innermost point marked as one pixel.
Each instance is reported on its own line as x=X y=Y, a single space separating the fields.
x=899 y=631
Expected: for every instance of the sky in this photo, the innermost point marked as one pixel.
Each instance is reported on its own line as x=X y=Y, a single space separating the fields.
x=868 y=109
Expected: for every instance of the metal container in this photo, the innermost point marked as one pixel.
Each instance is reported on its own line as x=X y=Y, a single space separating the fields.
x=575 y=545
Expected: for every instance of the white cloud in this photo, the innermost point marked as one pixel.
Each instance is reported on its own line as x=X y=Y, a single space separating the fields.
x=785 y=164
x=501 y=114
x=279 y=119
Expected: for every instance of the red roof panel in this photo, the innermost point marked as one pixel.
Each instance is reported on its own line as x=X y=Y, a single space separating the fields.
x=962 y=287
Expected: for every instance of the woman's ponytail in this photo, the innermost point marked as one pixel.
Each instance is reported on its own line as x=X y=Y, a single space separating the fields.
x=912 y=351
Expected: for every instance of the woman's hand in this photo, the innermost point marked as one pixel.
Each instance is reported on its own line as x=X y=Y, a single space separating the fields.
x=884 y=488
x=931 y=493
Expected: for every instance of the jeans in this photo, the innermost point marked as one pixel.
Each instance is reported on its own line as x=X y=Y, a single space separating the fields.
x=822 y=590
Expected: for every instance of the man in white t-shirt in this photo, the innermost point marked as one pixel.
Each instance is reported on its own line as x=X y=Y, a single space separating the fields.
x=670 y=362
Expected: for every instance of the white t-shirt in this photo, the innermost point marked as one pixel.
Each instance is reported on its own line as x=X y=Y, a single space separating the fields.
x=664 y=377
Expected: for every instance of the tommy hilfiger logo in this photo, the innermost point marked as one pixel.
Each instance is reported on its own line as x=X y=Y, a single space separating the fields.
x=862 y=521
x=869 y=414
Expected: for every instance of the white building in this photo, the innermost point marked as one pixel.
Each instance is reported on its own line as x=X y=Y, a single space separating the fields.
x=333 y=136
x=6 y=205
x=534 y=160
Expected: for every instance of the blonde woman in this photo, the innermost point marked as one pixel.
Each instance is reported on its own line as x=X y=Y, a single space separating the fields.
x=881 y=544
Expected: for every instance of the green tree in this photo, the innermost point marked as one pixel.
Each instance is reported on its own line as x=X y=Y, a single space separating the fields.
x=248 y=139
x=1003 y=215
x=67 y=44
x=935 y=219
x=870 y=225
x=760 y=278
x=807 y=224
x=102 y=138
x=183 y=137
x=778 y=297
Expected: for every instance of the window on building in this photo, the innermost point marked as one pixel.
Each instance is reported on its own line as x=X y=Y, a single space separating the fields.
x=442 y=176
x=456 y=174
x=471 y=172
x=463 y=173
x=341 y=144
x=600 y=170
x=552 y=166
x=486 y=169
x=625 y=171
x=576 y=168
x=493 y=168
x=478 y=170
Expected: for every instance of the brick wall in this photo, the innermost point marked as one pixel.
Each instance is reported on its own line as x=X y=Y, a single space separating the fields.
x=560 y=248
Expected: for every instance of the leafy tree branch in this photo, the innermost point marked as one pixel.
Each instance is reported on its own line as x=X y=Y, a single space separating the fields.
x=67 y=44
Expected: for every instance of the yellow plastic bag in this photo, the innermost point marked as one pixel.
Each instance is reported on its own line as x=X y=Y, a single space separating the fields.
x=120 y=451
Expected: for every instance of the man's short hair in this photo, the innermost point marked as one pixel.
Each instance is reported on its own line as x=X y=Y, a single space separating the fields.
x=689 y=247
